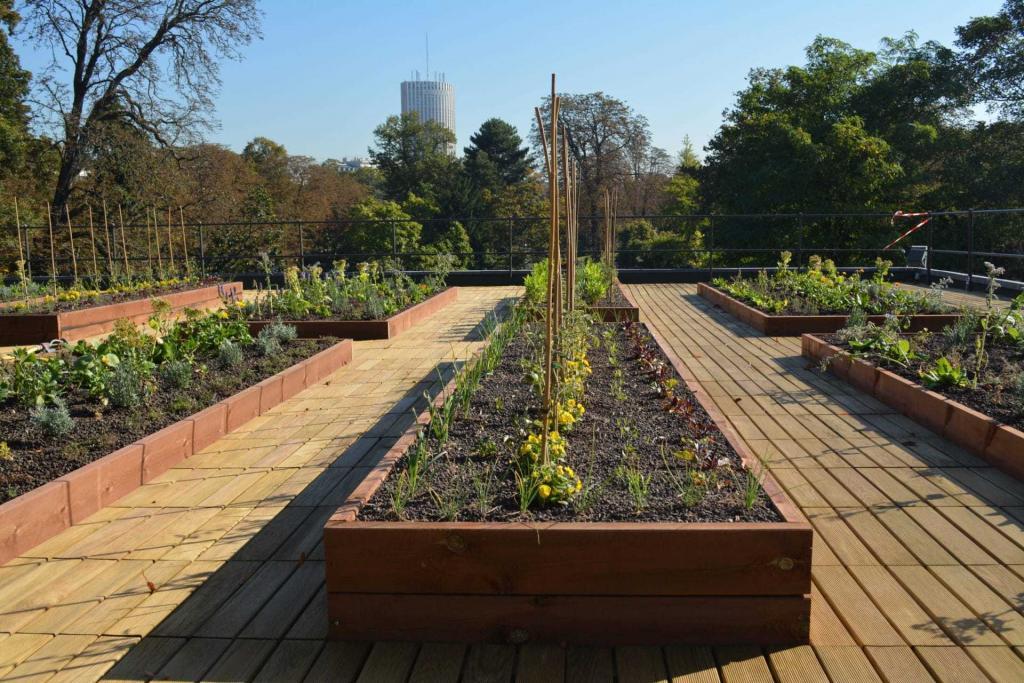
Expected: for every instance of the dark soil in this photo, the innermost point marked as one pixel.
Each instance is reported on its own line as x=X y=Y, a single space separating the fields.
x=617 y=428
x=996 y=394
x=613 y=298
x=39 y=306
x=38 y=459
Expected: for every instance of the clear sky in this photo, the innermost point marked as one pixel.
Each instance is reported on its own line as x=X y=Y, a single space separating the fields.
x=328 y=71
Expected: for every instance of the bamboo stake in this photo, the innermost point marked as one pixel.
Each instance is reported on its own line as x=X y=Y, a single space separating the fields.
x=53 y=257
x=552 y=236
x=124 y=244
x=543 y=139
x=21 y=251
x=156 y=237
x=568 y=227
x=170 y=240
x=71 y=237
x=110 y=254
x=184 y=243
x=92 y=239
x=149 y=246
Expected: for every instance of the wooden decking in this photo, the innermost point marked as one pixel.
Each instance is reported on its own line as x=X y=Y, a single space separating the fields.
x=214 y=571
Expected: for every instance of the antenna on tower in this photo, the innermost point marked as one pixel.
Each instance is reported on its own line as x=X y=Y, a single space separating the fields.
x=427 y=36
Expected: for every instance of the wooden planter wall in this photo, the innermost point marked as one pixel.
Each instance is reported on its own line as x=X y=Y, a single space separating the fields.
x=361 y=330
x=999 y=444
x=34 y=517
x=611 y=313
x=795 y=325
x=612 y=583
x=38 y=328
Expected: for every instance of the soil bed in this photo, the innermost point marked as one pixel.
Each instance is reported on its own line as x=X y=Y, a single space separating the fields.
x=995 y=396
x=624 y=422
x=38 y=305
x=99 y=430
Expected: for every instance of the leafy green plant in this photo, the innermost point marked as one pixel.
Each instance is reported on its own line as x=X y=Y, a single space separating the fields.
x=944 y=374
x=593 y=279
x=536 y=283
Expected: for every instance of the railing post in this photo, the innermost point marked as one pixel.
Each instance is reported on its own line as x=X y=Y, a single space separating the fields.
x=302 y=246
x=800 y=241
x=928 y=261
x=510 y=227
x=394 y=240
x=970 y=249
x=711 y=248
x=202 y=249
x=28 y=253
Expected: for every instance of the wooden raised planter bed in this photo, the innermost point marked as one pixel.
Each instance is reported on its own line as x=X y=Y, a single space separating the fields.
x=997 y=443
x=38 y=328
x=594 y=583
x=30 y=519
x=617 y=313
x=361 y=330
x=795 y=325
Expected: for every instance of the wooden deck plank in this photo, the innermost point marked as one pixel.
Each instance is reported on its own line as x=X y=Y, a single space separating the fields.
x=585 y=664
x=489 y=663
x=637 y=664
x=691 y=664
x=743 y=664
x=339 y=662
x=438 y=662
x=796 y=665
x=539 y=663
x=899 y=665
x=951 y=665
x=388 y=661
x=846 y=664
x=291 y=661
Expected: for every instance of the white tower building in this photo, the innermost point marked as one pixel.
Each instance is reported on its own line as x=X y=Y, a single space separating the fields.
x=433 y=100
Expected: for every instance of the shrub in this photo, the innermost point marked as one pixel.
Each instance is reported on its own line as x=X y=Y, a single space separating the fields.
x=267 y=342
x=177 y=374
x=536 y=283
x=281 y=332
x=592 y=281
x=127 y=385
x=53 y=420
x=230 y=354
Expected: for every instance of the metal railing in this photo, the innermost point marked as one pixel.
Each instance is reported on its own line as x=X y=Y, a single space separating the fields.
x=725 y=241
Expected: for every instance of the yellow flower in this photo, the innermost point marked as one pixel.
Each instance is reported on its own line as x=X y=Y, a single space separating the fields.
x=544 y=491
x=223 y=315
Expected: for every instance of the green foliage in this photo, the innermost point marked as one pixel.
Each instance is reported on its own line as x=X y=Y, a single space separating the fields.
x=376 y=291
x=230 y=354
x=413 y=156
x=53 y=420
x=593 y=279
x=129 y=384
x=536 y=283
x=944 y=374
x=822 y=290
x=176 y=374
x=495 y=157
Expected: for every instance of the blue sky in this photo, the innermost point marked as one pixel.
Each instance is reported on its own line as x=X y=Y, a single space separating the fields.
x=327 y=72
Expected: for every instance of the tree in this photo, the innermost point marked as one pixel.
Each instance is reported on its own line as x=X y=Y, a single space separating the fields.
x=150 y=63
x=604 y=134
x=993 y=56
x=494 y=156
x=14 y=84
x=412 y=156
